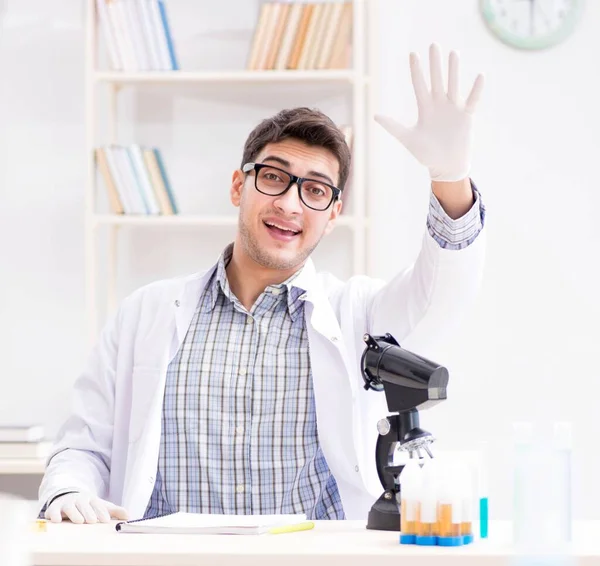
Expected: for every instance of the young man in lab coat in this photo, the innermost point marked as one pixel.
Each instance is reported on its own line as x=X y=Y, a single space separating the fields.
x=238 y=390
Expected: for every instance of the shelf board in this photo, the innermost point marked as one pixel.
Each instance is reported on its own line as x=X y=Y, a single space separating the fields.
x=185 y=220
x=20 y=466
x=243 y=76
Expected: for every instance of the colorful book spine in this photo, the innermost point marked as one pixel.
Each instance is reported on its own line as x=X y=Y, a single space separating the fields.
x=136 y=180
x=137 y=35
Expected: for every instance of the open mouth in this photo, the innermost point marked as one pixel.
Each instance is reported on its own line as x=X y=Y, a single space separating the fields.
x=280 y=232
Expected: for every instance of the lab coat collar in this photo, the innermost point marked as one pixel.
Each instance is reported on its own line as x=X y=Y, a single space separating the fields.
x=297 y=286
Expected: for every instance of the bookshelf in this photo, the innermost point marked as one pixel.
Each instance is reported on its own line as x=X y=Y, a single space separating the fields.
x=322 y=76
x=356 y=83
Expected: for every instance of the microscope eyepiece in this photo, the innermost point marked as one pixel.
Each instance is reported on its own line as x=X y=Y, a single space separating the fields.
x=409 y=381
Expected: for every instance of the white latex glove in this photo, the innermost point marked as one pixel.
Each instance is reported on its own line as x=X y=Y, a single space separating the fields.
x=83 y=507
x=441 y=138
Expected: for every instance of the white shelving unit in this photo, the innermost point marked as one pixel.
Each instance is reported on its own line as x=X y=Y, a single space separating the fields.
x=359 y=79
x=23 y=466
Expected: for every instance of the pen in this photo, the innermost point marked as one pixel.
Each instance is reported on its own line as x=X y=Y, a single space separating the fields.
x=292 y=528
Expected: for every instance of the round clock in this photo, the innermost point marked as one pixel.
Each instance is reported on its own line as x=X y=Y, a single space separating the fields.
x=531 y=24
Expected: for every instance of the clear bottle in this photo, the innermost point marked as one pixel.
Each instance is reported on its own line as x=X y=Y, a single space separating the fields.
x=542 y=496
x=562 y=463
x=524 y=520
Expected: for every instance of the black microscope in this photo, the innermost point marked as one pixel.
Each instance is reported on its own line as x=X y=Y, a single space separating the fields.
x=410 y=382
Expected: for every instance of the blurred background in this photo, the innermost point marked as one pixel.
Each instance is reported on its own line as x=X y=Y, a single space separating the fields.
x=67 y=256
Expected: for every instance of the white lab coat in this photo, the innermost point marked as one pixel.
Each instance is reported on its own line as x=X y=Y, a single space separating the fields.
x=109 y=445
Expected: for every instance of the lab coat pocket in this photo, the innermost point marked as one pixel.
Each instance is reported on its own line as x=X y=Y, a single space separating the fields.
x=145 y=401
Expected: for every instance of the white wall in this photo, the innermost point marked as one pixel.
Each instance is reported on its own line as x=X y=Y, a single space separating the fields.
x=527 y=349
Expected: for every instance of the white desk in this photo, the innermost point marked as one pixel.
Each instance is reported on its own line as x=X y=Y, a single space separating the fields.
x=330 y=543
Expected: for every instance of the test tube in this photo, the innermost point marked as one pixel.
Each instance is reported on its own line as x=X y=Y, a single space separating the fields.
x=428 y=526
x=410 y=485
x=468 y=496
x=450 y=505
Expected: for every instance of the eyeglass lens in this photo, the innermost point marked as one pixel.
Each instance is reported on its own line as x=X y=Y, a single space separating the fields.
x=313 y=193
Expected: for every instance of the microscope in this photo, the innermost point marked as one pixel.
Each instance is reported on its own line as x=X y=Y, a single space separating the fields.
x=410 y=382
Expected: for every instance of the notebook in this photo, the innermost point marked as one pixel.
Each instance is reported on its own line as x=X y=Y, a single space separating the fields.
x=206 y=523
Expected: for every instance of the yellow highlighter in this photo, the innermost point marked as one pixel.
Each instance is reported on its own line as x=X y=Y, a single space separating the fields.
x=292 y=528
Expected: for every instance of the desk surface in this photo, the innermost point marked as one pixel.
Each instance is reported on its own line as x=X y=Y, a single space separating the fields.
x=329 y=543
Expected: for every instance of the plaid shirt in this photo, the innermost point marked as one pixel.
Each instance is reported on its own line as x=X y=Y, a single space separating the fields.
x=239 y=431
x=455 y=234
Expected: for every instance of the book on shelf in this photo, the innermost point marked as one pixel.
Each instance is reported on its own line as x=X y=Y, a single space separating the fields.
x=302 y=36
x=137 y=35
x=136 y=180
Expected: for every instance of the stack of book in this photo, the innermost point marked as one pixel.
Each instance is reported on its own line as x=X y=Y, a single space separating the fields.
x=137 y=35
x=302 y=36
x=136 y=180
x=23 y=443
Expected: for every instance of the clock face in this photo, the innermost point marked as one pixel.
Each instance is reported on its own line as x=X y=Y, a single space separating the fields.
x=531 y=24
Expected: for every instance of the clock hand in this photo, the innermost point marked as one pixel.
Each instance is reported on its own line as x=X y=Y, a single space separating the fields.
x=531 y=15
x=545 y=16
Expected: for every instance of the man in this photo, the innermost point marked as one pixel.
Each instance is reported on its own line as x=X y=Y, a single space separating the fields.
x=238 y=390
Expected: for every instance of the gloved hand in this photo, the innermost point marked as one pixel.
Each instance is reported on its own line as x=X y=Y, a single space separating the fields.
x=83 y=507
x=441 y=138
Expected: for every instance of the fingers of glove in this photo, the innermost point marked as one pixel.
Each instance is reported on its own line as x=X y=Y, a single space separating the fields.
x=71 y=512
x=475 y=94
x=418 y=80
x=397 y=130
x=117 y=512
x=53 y=513
x=453 y=60
x=100 y=508
x=435 y=71
x=85 y=508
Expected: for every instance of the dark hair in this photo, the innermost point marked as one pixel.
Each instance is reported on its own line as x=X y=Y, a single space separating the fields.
x=306 y=125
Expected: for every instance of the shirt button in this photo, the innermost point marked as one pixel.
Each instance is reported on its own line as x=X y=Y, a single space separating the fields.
x=239 y=430
x=356 y=468
x=243 y=371
x=248 y=320
x=275 y=291
x=334 y=338
x=240 y=489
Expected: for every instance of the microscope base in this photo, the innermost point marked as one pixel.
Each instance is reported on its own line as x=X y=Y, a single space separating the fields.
x=385 y=514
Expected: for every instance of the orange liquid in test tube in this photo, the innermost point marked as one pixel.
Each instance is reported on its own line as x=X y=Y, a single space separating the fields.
x=447 y=527
x=427 y=528
x=408 y=517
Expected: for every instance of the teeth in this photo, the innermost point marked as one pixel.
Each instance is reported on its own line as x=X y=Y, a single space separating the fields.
x=281 y=227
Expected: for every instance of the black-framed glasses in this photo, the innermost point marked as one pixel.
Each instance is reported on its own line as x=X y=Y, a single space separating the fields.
x=274 y=181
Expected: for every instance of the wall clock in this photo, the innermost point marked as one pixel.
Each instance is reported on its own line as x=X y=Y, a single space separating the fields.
x=531 y=24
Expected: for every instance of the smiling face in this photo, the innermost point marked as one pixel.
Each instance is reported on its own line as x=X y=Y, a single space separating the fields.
x=280 y=232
